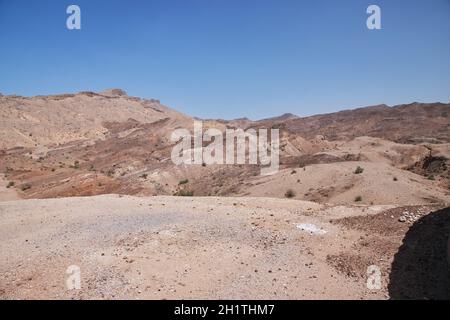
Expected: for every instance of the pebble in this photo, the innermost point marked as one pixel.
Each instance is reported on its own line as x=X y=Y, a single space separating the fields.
x=410 y=217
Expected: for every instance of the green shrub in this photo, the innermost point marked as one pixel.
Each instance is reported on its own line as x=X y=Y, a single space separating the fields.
x=358 y=199
x=10 y=184
x=431 y=177
x=183 y=181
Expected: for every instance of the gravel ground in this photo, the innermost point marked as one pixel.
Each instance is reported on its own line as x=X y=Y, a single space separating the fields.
x=192 y=248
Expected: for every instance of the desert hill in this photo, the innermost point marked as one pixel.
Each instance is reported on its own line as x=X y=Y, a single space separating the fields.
x=96 y=143
x=59 y=119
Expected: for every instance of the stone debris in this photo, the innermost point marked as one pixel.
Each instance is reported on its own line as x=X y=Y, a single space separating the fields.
x=411 y=217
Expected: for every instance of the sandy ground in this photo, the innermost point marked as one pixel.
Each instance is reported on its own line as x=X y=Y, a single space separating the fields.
x=166 y=247
x=7 y=194
x=188 y=247
x=336 y=183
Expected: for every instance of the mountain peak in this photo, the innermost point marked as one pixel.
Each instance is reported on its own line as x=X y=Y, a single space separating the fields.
x=287 y=116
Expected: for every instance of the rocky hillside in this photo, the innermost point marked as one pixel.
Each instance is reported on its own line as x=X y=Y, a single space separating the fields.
x=58 y=119
x=108 y=142
x=409 y=123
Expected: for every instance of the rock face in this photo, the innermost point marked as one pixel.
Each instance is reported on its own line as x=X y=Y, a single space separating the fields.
x=420 y=267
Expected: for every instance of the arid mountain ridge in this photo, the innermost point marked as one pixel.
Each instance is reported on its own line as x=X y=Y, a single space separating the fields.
x=412 y=122
x=108 y=142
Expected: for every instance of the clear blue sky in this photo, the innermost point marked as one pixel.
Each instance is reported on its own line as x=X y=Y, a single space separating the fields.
x=229 y=58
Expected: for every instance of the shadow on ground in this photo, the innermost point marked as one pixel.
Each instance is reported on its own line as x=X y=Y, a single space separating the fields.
x=420 y=267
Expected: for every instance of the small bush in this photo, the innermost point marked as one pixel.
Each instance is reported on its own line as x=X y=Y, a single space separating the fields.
x=289 y=193
x=293 y=171
x=183 y=181
x=431 y=177
x=10 y=184
x=76 y=165
x=184 y=193
x=395 y=179
x=25 y=187
x=144 y=176
x=359 y=170
x=358 y=199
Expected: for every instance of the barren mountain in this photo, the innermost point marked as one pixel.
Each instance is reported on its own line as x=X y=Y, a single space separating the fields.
x=409 y=123
x=59 y=119
x=96 y=143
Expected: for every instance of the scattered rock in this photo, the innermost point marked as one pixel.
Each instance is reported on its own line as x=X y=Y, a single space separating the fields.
x=311 y=228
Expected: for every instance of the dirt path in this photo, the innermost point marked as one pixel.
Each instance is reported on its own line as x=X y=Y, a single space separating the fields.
x=188 y=247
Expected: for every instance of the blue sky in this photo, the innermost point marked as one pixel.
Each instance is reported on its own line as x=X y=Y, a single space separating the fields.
x=229 y=58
